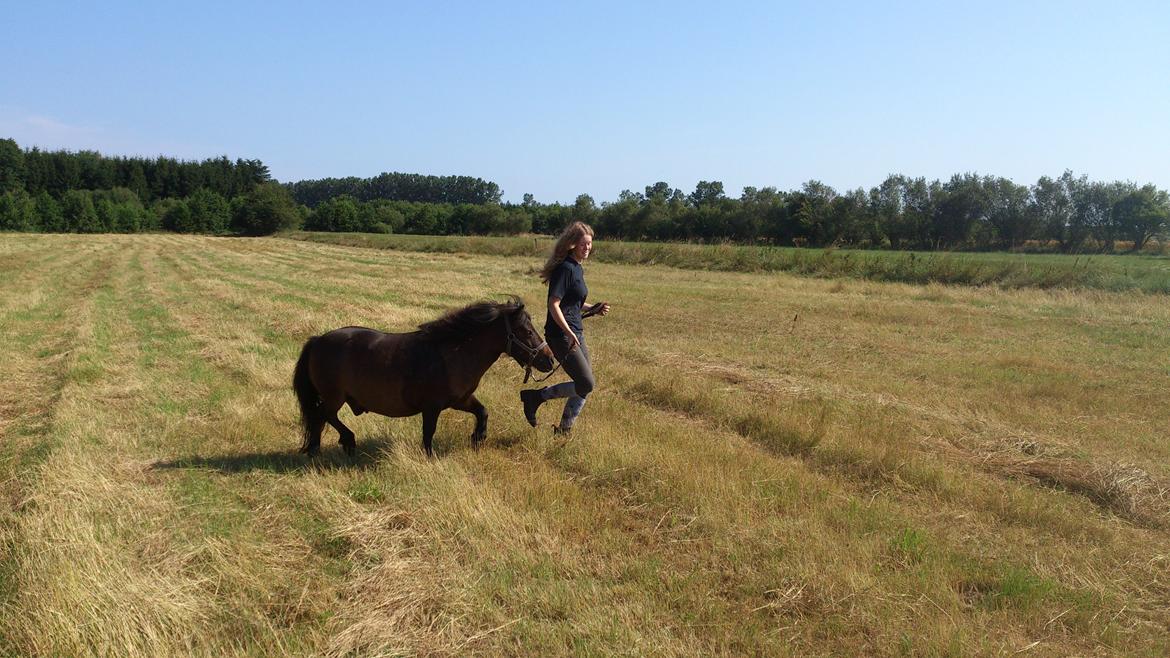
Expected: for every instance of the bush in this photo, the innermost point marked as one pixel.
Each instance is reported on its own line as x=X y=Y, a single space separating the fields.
x=210 y=212
x=79 y=212
x=265 y=210
x=176 y=216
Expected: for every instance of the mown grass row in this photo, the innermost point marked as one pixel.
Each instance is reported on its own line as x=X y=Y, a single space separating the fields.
x=1145 y=273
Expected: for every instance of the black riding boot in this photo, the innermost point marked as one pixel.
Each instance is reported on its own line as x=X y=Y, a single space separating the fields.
x=532 y=401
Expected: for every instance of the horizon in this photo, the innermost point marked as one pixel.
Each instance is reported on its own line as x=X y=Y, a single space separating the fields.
x=755 y=95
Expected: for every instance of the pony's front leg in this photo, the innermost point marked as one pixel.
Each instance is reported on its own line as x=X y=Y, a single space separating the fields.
x=430 y=420
x=473 y=406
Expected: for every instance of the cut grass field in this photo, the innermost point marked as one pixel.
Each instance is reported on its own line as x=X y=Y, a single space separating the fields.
x=771 y=465
x=1145 y=272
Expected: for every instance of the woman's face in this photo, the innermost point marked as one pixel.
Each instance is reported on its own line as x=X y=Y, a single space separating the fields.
x=582 y=248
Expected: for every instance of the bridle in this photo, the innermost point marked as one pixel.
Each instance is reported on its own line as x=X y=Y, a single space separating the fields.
x=530 y=352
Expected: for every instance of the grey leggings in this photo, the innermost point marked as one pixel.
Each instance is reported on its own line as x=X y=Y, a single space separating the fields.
x=576 y=365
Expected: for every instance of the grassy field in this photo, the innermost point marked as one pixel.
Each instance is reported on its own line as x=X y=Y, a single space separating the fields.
x=771 y=465
x=1145 y=272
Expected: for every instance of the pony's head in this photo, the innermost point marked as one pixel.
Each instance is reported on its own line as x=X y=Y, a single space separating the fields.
x=523 y=342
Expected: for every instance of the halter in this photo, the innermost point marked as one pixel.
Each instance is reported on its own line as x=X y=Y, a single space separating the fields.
x=530 y=352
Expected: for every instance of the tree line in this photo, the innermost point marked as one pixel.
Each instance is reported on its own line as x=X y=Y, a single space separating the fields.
x=454 y=190
x=86 y=192
x=1067 y=213
x=150 y=179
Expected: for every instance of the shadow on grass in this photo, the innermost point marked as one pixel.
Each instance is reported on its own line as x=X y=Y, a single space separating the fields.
x=331 y=457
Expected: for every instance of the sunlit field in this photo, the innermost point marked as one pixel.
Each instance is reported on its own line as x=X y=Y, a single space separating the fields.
x=1148 y=271
x=771 y=465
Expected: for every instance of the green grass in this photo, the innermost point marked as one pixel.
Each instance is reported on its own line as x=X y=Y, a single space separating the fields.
x=1140 y=272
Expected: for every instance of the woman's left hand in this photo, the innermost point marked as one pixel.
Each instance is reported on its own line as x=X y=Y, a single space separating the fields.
x=604 y=310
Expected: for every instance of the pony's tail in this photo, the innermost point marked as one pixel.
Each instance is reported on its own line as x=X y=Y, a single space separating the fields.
x=309 y=401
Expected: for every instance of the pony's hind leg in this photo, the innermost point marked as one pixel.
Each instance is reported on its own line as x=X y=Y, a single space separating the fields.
x=313 y=428
x=430 y=420
x=348 y=441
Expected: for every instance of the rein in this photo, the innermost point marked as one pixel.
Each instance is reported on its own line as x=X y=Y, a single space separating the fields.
x=528 y=373
x=531 y=352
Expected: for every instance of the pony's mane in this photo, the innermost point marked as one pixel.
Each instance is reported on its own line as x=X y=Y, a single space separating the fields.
x=470 y=319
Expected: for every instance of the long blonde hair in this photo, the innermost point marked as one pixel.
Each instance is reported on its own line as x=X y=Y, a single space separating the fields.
x=572 y=234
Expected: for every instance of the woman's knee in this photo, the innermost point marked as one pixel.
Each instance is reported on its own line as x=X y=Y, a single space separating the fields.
x=585 y=385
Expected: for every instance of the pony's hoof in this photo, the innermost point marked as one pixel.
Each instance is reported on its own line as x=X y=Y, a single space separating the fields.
x=350 y=448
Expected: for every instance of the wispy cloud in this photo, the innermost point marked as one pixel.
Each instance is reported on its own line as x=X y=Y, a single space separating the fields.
x=53 y=126
x=51 y=133
x=47 y=132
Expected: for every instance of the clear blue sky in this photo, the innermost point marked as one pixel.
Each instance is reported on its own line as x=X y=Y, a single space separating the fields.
x=597 y=97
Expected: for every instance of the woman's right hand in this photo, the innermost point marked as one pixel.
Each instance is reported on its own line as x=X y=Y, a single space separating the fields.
x=571 y=339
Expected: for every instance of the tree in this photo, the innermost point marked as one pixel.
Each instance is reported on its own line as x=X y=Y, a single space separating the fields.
x=381 y=217
x=1141 y=214
x=1093 y=208
x=515 y=221
x=1052 y=205
x=341 y=213
x=1009 y=211
x=656 y=220
x=617 y=219
x=17 y=211
x=129 y=216
x=853 y=222
x=106 y=212
x=473 y=219
x=398 y=187
x=551 y=218
x=79 y=212
x=210 y=212
x=814 y=213
x=12 y=171
x=176 y=216
x=766 y=210
x=660 y=190
x=50 y=218
x=919 y=207
x=886 y=207
x=265 y=210
x=427 y=219
x=961 y=209
x=584 y=209
x=706 y=193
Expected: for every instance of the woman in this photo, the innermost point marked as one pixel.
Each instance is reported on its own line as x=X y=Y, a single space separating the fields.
x=562 y=327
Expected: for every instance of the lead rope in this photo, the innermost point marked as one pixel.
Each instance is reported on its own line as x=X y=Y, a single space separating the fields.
x=528 y=373
x=532 y=353
x=528 y=369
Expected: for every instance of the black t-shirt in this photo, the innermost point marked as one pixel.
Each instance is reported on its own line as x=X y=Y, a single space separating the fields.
x=568 y=283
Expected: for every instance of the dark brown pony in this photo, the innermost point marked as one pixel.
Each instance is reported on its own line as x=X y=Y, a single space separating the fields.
x=425 y=371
